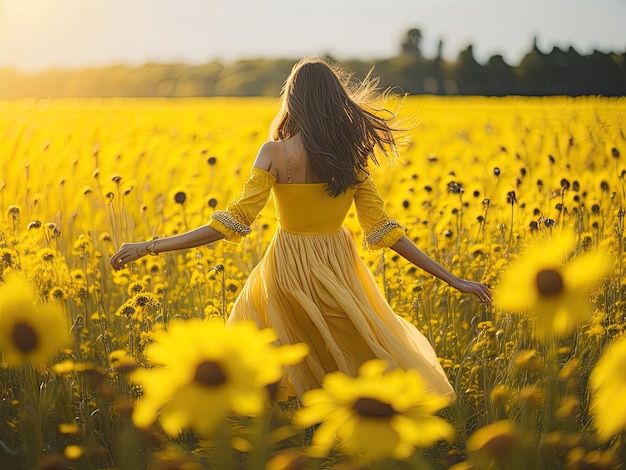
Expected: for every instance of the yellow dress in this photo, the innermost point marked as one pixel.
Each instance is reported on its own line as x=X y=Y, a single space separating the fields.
x=311 y=285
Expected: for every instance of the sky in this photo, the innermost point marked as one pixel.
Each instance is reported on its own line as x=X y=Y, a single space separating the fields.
x=36 y=35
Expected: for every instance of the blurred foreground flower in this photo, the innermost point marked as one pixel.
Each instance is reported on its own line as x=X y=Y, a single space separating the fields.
x=29 y=332
x=579 y=459
x=203 y=371
x=552 y=293
x=608 y=383
x=498 y=441
x=377 y=415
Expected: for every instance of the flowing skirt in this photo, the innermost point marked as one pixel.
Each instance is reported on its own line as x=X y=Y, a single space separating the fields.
x=317 y=290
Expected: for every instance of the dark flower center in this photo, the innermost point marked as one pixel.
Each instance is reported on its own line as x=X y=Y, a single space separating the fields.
x=549 y=282
x=141 y=300
x=180 y=197
x=209 y=374
x=372 y=408
x=128 y=310
x=500 y=446
x=24 y=337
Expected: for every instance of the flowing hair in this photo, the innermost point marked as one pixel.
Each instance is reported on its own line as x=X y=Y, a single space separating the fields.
x=343 y=124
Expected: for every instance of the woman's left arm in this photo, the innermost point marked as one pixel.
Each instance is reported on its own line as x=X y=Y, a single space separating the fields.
x=408 y=250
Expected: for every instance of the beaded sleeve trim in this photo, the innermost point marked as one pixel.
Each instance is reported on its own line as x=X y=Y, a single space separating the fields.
x=231 y=222
x=383 y=229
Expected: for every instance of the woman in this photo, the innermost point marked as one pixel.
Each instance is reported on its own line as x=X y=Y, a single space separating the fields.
x=311 y=286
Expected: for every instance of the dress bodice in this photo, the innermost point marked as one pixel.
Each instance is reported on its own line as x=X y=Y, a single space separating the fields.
x=307 y=209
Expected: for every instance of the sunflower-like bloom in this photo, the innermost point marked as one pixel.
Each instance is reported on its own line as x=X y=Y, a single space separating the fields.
x=29 y=332
x=378 y=414
x=498 y=440
x=607 y=383
x=204 y=371
x=553 y=293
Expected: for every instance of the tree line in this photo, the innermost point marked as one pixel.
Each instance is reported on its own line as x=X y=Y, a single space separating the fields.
x=539 y=73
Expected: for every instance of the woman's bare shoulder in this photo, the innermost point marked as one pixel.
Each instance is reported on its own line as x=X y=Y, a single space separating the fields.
x=267 y=155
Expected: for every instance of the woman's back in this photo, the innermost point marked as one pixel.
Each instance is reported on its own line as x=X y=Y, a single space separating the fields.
x=302 y=201
x=292 y=162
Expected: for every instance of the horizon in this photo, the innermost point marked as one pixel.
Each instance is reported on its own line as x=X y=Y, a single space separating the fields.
x=38 y=36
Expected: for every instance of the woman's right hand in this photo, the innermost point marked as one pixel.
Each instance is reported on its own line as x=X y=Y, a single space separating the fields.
x=128 y=253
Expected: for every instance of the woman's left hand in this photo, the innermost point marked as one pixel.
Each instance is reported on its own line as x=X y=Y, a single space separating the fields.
x=471 y=287
x=128 y=253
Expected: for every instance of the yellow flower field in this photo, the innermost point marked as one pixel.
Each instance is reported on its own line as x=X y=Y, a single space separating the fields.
x=107 y=369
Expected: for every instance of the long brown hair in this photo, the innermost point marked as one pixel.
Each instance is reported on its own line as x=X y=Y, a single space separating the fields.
x=342 y=123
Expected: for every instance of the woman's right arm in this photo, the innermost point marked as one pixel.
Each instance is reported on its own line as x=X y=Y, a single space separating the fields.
x=130 y=252
x=230 y=224
x=199 y=236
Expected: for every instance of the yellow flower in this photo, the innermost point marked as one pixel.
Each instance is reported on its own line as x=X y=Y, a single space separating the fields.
x=64 y=367
x=560 y=440
x=568 y=407
x=29 y=332
x=570 y=370
x=287 y=459
x=376 y=415
x=232 y=287
x=210 y=311
x=121 y=361
x=69 y=428
x=137 y=287
x=204 y=371
x=578 y=458
x=73 y=452
x=171 y=458
x=126 y=310
x=554 y=294
x=500 y=394
x=68 y=366
x=498 y=440
x=144 y=299
x=608 y=383
x=530 y=397
x=57 y=293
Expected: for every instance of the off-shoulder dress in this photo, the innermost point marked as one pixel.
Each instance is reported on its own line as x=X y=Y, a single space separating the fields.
x=311 y=285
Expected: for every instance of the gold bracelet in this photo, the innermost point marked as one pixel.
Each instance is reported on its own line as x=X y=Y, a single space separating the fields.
x=150 y=247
